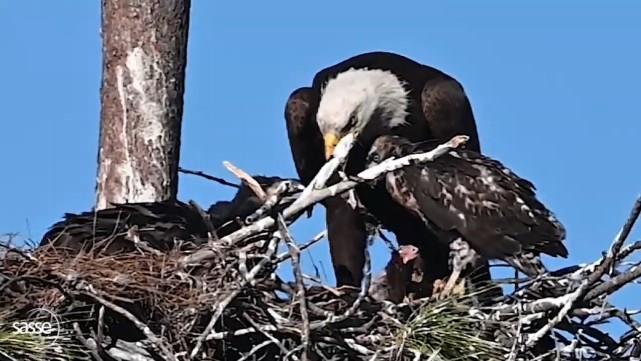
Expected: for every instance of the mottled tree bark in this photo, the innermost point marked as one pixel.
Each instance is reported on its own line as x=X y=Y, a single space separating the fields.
x=143 y=82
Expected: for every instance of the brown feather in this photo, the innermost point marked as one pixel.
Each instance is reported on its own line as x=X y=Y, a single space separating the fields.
x=159 y=224
x=465 y=194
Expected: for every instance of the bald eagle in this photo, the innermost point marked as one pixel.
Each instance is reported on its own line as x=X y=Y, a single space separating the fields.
x=159 y=223
x=370 y=95
x=475 y=204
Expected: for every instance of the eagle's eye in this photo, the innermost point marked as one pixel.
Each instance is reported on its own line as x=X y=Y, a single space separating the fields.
x=351 y=123
x=376 y=158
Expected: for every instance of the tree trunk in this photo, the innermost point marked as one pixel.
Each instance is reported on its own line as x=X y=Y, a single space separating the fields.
x=143 y=82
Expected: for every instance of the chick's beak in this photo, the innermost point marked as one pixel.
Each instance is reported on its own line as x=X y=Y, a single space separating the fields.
x=407 y=254
x=331 y=140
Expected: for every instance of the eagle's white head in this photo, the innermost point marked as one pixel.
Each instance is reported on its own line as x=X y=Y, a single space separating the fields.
x=354 y=98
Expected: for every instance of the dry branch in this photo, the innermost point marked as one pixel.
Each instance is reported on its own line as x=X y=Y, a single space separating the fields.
x=202 y=174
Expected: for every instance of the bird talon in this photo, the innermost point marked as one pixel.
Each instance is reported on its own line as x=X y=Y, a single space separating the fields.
x=449 y=286
x=459 y=288
x=437 y=288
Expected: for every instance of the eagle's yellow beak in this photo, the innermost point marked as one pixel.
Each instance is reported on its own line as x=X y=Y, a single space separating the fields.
x=331 y=140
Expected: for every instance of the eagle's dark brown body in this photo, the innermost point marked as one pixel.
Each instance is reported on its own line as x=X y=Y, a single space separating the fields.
x=438 y=109
x=159 y=223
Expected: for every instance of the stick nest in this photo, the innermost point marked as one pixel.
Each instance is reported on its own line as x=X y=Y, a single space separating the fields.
x=224 y=301
x=233 y=306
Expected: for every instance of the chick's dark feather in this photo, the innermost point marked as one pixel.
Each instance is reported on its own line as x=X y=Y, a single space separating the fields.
x=466 y=194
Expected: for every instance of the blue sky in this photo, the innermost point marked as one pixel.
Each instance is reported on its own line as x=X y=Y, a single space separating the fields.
x=554 y=87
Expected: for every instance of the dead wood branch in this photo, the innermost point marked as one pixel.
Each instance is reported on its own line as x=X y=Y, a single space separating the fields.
x=202 y=174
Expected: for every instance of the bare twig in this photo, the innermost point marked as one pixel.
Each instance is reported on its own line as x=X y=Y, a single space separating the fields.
x=300 y=286
x=340 y=154
x=220 y=307
x=602 y=267
x=247 y=179
x=208 y=177
x=271 y=201
x=160 y=344
x=285 y=256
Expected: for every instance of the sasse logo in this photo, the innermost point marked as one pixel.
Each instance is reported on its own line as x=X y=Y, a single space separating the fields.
x=40 y=328
x=47 y=325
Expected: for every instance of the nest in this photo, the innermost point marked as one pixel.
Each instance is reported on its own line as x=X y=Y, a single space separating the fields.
x=218 y=310
x=233 y=307
x=224 y=301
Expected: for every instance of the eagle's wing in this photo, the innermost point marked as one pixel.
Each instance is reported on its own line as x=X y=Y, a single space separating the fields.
x=305 y=139
x=545 y=232
x=158 y=224
x=448 y=111
x=491 y=207
x=218 y=211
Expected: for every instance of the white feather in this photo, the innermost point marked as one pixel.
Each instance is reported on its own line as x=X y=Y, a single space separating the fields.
x=363 y=91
